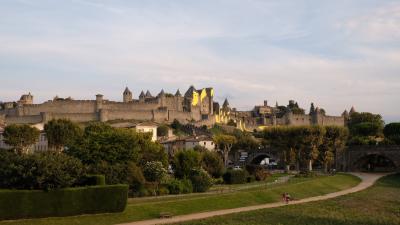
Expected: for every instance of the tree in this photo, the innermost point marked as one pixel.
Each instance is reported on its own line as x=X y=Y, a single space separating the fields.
x=311 y=138
x=101 y=142
x=365 y=124
x=225 y=143
x=212 y=163
x=135 y=177
x=154 y=171
x=21 y=137
x=61 y=132
x=285 y=140
x=184 y=162
x=162 y=130
x=333 y=143
x=245 y=141
x=392 y=132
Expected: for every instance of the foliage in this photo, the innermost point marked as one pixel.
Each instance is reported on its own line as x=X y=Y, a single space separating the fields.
x=62 y=202
x=258 y=172
x=61 y=133
x=154 y=171
x=333 y=143
x=212 y=163
x=162 y=130
x=92 y=180
x=21 y=137
x=225 y=143
x=42 y=171
x=201 y=180
x=151 y=151
x=392 y=132
x=245 y=141
x=184 y=161
x=176 y=186
x=135 y=177
x=235 y=176
x=101 y=142
x=365 y=124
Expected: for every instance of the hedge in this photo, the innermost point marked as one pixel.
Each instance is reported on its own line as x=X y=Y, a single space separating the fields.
x=17 y=204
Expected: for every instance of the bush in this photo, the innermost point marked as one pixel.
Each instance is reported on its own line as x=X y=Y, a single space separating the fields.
x=42 y=171
x=92 y=180
x=187 y=186
x=162 y=190
x=212 y=163
x=201 y=180
x=250 y=178
x=154 y=171
x=62 y=202
x=392 y=132
x=135 y=177
x=184 y=162
x=235 y=177
x=175 y=186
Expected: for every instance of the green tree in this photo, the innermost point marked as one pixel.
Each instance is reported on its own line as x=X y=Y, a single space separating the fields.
x=365 y=124
x=334 y=143
x=21 y=137
x=162 y=130
x=101 y=142
x=154 y=171
x=61 y=132
x=285 y=140
x=311 y=138
x=212 y=163
x=225 y=143
x=392 y=132
x=184 y=162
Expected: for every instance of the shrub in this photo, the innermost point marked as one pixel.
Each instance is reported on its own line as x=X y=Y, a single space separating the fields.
x=201 y=180
x=184 y=162
x=175 y=186
x=39 y=171
x=392 y=132
x=92 y=180
x=163 y=190
x=135 y=177
x=212 y=163
x=154 y=171
x=187 y=186
x=235 y=176
x=62 y=202
x=250 y=178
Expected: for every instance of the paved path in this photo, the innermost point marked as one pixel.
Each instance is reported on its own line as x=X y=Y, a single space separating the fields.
x=367 y=181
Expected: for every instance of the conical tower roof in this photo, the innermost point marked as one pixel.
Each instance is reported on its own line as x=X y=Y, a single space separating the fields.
x=189 y=92
x=148 y=94
x=226 y=103
x=127 y=90
x=142 y=95
x=161 y=93
x=178 y=93
x=352 y=110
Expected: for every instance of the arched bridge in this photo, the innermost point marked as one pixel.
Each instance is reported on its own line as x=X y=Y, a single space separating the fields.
x=370 y=158
x=256 y=156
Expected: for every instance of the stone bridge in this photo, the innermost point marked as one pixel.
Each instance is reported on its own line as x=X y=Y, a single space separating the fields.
x=255 y=156
x=370 y=158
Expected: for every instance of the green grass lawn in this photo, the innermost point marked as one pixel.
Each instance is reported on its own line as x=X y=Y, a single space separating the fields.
x=141 y=210
x=378 y=205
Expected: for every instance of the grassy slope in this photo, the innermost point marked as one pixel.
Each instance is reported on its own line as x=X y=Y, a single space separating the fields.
x=298 y=188
x=378 y=205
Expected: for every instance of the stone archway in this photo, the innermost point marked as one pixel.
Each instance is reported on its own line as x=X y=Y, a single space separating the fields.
x=374 y=163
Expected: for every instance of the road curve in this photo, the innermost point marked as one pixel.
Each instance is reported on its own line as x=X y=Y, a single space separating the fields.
x=367 y=181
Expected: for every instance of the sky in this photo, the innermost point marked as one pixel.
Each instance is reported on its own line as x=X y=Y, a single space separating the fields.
x=336 y=54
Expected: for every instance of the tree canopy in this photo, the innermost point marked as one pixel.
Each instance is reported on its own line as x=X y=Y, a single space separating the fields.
x=21 y=137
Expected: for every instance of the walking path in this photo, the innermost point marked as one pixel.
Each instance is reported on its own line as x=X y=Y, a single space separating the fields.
x=367 y=181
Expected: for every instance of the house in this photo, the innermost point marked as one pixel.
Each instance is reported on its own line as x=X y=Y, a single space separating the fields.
x=143 y=127
x=203 y=141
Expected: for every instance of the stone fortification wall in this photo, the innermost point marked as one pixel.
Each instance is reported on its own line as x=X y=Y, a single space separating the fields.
x=75 y=106
x=299 y=120
x=130 y=106
x=182 y=117
x=127 y=115
x=333 y=120
x=75 y=117
x=23 y=119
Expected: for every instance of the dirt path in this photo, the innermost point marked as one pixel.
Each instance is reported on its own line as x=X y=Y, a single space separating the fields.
x=367 y=181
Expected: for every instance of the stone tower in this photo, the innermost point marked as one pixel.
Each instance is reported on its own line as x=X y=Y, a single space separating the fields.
x=127 y=95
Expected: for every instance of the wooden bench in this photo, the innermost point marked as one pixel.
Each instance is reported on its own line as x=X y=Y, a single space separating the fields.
x=164 y=215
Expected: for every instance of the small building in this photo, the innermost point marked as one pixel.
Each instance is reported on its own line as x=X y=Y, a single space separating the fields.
x=142 y=127
x=147 y=127
x=203 y=141
x=174 y=144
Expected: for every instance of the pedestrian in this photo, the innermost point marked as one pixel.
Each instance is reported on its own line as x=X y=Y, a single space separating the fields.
x=288 y=198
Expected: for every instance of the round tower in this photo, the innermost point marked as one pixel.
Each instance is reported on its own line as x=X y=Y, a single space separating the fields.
x=127 y=95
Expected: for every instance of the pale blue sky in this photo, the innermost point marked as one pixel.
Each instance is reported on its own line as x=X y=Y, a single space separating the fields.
x=333 y=53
